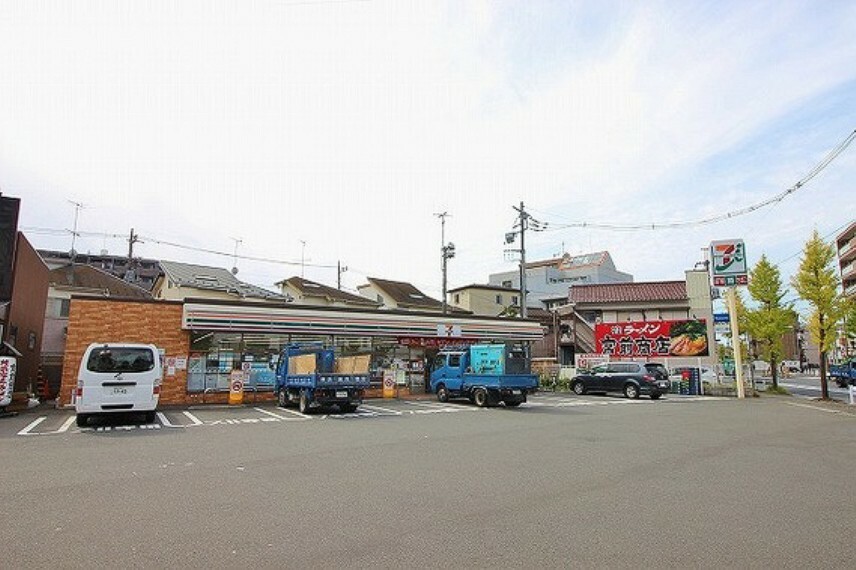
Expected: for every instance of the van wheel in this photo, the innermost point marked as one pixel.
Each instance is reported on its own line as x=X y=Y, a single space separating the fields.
x=631 y=391
x=150 y=417
x=480 y=397
x=442 y=393
x=304 y=402
x=82 y=420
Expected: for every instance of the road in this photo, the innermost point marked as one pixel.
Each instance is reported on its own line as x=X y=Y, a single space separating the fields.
x=809 y=387
x=563 y=481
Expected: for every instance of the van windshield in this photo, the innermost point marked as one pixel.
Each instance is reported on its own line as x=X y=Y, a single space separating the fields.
x=115 y=359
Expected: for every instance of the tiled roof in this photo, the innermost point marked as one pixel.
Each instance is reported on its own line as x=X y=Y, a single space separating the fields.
x=213 y=279
x=88 y=277
x=312 y=289
x=629 y=292
x=487 y=287
x=405 y=294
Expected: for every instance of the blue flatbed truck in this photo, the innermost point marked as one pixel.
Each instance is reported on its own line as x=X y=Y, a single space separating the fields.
x=322 y=386
x=486 y=374
x=844 y=374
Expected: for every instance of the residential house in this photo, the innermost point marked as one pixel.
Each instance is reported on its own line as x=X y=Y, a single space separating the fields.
x=306 y=292
x=400 y=295
x=490 y=300
x=550 y=278
x=181 y=281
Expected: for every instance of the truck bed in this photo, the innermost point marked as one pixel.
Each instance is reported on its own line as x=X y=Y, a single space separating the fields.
x=506 y=381
x=325 y=381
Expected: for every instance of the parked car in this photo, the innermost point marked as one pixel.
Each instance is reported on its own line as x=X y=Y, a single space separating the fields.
x=630 y=378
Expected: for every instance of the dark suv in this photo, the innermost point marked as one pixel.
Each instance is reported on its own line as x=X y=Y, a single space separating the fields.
x=631 y=378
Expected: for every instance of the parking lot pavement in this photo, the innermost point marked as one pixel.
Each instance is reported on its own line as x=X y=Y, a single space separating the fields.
x=50 y=422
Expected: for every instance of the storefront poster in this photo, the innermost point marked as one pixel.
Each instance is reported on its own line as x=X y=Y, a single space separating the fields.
x=652 y=338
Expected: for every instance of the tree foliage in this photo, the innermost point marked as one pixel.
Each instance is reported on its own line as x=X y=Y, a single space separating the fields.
x=817 y=283
x=771 y=318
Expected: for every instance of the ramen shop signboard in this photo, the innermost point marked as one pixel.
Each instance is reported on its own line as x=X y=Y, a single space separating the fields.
x=652 y=338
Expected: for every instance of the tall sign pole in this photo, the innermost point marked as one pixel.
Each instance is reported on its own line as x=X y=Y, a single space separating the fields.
x=728 y=262
x=523 y=222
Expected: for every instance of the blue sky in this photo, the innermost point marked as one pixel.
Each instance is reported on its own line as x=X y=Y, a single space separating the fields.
x=349 y=124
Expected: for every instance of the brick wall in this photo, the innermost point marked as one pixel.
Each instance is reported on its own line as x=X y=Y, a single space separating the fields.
x=115 y=320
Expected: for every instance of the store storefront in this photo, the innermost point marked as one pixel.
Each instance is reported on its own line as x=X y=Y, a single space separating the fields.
x=205 y=341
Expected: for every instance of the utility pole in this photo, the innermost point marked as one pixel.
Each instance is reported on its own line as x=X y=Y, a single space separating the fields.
x=524 y=219
x=77 y=207
x=302 y=259
x=446 y=252
x=339 y=270
x=132 y=239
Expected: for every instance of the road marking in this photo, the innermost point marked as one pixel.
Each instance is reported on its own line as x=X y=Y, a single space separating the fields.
x=819 y=409
x=383 y=410
x=304 y=416
x=277 y=416
x=196 y=421
x=67 y=424
x=432 y=405
x=165 y=421
x=32 y=424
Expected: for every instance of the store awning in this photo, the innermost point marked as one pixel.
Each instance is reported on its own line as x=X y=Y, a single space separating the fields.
x=325 y=321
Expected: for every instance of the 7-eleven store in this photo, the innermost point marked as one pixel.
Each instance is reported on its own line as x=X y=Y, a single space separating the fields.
x=204 y=341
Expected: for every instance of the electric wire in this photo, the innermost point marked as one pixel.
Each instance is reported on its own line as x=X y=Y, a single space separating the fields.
x=818 y=168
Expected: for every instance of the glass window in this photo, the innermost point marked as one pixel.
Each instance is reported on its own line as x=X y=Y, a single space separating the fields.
x=499 y=299
x=454 y=360
x=119 y=359
x=514 y=300
x=457 y=298
x=64 y=306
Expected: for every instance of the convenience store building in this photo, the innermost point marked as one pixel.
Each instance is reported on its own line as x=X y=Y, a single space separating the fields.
x=204 y=340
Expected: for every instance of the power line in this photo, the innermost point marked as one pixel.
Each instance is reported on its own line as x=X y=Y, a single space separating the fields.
x=59 y=232
x=827 y=160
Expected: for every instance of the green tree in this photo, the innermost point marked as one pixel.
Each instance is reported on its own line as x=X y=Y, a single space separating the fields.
x=817 y=283
x=770 y=319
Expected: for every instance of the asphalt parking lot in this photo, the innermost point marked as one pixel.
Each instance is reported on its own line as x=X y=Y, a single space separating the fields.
x=562 y=481
x=49 y=422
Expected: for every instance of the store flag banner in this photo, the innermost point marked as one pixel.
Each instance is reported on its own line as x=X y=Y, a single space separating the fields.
x=728 y=263
x=652 y=338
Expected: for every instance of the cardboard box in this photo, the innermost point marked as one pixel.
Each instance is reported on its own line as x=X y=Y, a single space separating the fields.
x=303 y=364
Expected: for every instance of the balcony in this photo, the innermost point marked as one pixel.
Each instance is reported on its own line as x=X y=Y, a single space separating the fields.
x=847 y=252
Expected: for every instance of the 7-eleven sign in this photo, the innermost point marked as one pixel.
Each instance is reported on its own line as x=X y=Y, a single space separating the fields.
x=728 y=263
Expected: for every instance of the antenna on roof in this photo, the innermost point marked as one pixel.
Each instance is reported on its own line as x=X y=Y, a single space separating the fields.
x=237 y=241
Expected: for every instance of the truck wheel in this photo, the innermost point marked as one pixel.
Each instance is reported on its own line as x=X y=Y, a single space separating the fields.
x=282 y=398
x=442 y=393
x=631 y=391
x=304 y=403
x=82 y=420
x=480 y=397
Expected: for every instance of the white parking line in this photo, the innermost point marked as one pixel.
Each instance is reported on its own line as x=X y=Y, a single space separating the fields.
x=304 y=416
x=432 y=405
x=165 y=421
x=31 y=425
x=279 y=417
x=67 y=424
x=196 y=421
x=382 y=410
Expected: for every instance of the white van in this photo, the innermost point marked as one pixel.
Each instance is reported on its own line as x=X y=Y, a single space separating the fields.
x=118 y=378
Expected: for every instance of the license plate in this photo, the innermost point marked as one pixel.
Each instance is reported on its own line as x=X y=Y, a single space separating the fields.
x=516 y=392
x=342 y=394
x=117 y=390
